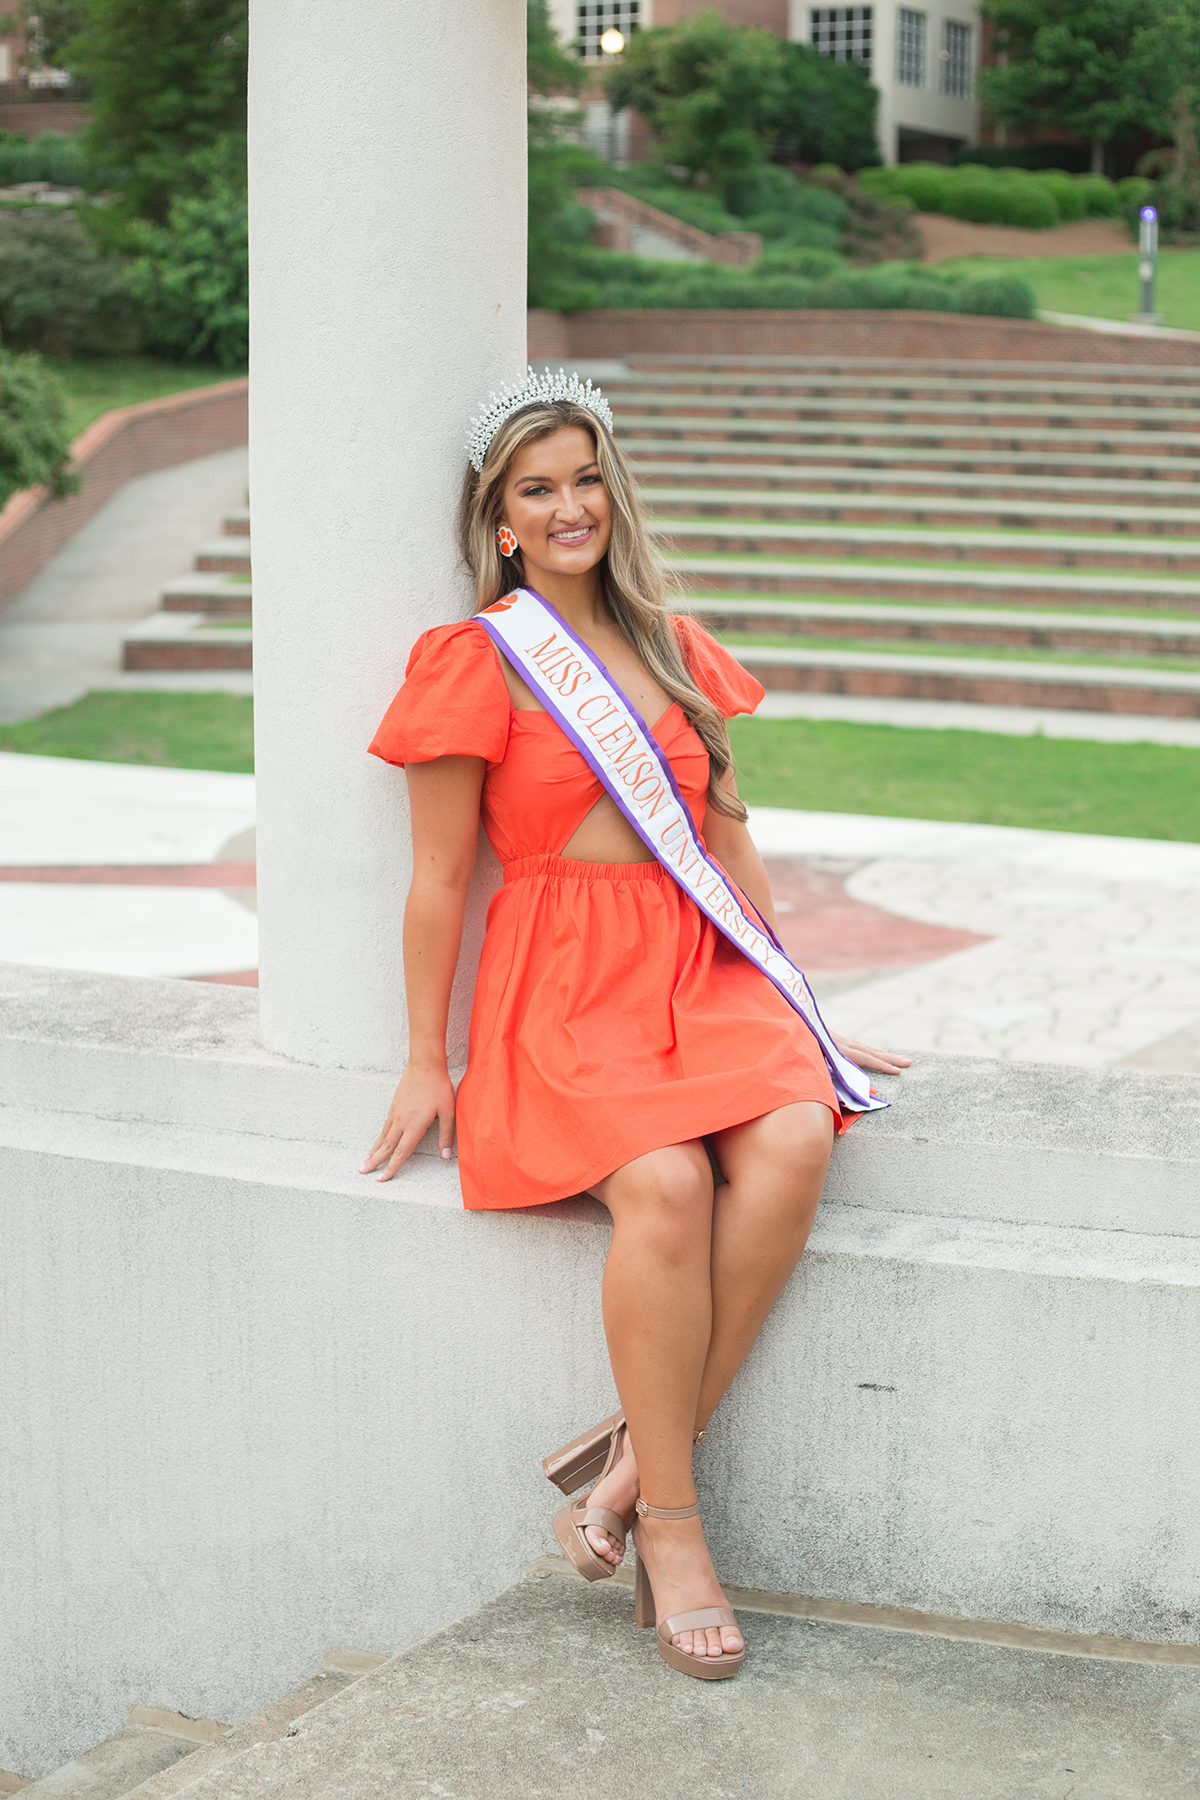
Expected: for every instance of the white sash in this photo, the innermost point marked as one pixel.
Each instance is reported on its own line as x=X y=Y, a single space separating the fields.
x=614 y=740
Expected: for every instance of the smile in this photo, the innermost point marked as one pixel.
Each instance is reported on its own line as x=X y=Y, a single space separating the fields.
x=575 y=536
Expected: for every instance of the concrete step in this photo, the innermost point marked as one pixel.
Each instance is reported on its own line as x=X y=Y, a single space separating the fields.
x=975 y=587
x=1018 y=413
x=978 y=439
x=124 y=1762
x=800 y=478
x=551 y=1690
x=914 y=385
x=909 y=369
x=1011 y=549
x=237 y=523
x=179 y=640
x=206 y=593
x=226 y=555
x=1069 y=687
x=712 y=502
x=750 y=449
x=952 y=625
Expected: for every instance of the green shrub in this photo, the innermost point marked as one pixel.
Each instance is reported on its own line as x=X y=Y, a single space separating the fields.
x=192 y=278
x=58 y=292
x=999 y=296
x=1099 y=195
x=990 y=195
x=51 y=156
x=795 y=259
x=34 y=447
x=1067 y=194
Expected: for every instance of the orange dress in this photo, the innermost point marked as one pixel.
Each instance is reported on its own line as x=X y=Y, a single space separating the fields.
x=610 y=1017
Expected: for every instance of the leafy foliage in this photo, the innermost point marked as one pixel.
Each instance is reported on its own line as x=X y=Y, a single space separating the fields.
x=192 y=277
x=34 y=447
x=1176 y=195
x=1034 y=200
x=51 y=156
x=47 y=27
x=168 y=81
x=723 y=99
x=59 y=292
x=1096 y=68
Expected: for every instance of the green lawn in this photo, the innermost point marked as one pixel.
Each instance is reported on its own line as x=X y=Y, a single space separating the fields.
x=96 y=384
x=1099 y=287
x=1120 y=790
x=878 y=646
x=182 y=731
x=1049 y=784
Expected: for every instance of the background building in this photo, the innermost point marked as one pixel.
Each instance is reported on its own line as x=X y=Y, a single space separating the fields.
x=921 y=59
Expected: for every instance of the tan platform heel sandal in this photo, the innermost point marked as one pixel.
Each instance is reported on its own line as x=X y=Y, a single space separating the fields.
x=587 y=1457
x=704 y=1618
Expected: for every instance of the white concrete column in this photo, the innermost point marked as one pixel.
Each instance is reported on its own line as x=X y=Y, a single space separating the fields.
x=387 y=219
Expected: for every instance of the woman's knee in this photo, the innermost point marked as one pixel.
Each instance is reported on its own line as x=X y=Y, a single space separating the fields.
x=795 y=1138
x=666 y=1195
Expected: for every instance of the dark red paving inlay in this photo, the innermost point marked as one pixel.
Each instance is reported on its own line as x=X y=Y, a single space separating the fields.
x=821 y=926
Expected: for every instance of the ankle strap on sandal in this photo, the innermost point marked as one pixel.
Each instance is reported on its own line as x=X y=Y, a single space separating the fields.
x=667 y=1512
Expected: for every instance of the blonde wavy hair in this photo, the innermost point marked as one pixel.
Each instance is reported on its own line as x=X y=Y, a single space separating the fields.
x=634 y=585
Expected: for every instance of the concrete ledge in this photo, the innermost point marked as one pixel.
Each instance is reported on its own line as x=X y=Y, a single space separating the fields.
x=255 y=1398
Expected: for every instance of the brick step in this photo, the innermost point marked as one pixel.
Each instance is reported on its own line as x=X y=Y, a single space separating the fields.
x=913 y=386
x=975 y=440
x=923 y=509
x=236 y=523
x=1117 y=636
x=976 y=587
x=205 y=594
x=930 y=460
x=178 y=640
x=1022 y=550
x=996 y=414
x=1064 y=686
x=903 y=368
x=1153 y=497
x=224 y=555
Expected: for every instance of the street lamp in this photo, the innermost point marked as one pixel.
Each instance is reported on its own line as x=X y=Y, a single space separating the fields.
x=1148 y=263
x=612 y=43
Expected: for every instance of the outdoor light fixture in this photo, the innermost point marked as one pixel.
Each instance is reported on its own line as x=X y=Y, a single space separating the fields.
x=612 y=43
x=1148 y=264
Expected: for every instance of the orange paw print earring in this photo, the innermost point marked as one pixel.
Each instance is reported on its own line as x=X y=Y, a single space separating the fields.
x=507 y=540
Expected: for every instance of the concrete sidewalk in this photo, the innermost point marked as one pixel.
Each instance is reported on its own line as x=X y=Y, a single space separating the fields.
x=551 y=1691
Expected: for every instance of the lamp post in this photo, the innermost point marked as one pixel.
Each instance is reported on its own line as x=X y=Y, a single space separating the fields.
x=1148 y=264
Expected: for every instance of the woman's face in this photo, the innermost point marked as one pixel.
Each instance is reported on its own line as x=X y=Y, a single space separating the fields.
x=556 y=503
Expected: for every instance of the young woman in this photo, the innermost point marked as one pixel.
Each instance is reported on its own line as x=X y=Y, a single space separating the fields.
x=617 y=1037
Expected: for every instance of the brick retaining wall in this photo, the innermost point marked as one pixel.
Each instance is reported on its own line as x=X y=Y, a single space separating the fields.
x=920 y=335
x=132 y=440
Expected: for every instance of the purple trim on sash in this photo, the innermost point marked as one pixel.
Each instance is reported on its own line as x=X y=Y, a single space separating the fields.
x=833 y=1057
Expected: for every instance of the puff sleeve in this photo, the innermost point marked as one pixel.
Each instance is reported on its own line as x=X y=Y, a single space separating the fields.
x=454 y=701
x=715 y=671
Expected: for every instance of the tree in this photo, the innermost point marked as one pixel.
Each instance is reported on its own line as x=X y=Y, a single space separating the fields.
x=168 y=80
x=1096 y=68
x=556 y=220
x=827 y=112
x=710 y=91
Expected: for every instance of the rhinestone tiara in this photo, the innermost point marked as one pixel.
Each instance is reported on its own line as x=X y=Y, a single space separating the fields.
x=536 y=389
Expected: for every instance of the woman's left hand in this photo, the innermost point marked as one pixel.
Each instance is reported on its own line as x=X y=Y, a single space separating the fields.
x=887 y=1062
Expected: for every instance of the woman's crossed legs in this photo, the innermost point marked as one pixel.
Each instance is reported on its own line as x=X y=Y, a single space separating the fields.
x=690 y=1278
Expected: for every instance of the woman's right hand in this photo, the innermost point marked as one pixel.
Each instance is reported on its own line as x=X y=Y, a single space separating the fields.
x=422 y=1096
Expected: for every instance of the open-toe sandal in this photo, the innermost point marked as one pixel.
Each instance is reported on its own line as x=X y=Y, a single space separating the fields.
x=704 y=1618
x=591 y=1455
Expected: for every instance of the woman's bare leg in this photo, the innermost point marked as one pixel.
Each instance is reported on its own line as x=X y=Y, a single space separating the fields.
x=657 y=1319
x=774 y=1170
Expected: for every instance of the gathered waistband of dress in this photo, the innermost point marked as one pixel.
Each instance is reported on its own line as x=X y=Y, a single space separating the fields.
x=565 y=868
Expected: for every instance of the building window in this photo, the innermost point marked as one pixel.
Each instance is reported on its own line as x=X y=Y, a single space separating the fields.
x=596 y=17
x=956 y=61
x=843 y=32
x=910 y=48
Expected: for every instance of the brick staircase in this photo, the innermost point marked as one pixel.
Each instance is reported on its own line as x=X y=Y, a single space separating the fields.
x=158 y=1754
x=1000 y=533
x=203 y=621
x=1006 y=534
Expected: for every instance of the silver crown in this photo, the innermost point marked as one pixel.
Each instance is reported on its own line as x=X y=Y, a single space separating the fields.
x=535 y=390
